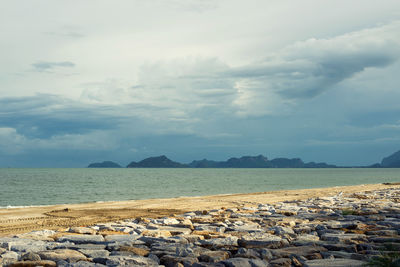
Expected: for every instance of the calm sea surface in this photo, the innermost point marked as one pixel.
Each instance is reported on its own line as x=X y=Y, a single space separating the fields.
x=26 y=187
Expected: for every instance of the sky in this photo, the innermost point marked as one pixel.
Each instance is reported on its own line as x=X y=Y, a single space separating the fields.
x=88 y=81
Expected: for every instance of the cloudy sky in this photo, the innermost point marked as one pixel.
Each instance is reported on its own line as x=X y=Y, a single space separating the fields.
x=86 y=81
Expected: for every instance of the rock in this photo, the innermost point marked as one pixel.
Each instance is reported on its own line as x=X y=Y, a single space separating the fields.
x=231 y=241
x=194 y=238
x=208 y=264
x=265 y=253
x=333 y=263
x=169 y=221
x=171 y=261
x=97 y=253
x=307 y=238
x=82 y=239
x=44 y=263
x=284 y=262
x=79 y=264
x=299 y=251
x=43 y=235
x=261 y=241
x=383 y=232
x=7 y=261
x=30 y=256
x=243 y=262
x=130 y=261
x=247 y=253
x=385 y=239
x=22 y=244
x=62 y=254
x=136 y=250
x=186 y=223
x=82 y=230
x=154 y=258
x=175 y=230
x=213 y=256
x=10 y=255
x=121 y=238
x=156 y=233
x=342 y=238
x=280 y=230
x=342 y=247
x=81 y=246
x=343 y=255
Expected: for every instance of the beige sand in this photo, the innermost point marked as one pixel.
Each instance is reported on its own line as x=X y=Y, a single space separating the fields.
x=19 y=220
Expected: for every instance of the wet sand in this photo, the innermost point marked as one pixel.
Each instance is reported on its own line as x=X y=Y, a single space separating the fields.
x=20 y=220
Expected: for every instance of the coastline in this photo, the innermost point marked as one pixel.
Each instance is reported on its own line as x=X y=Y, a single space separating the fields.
x=20 y=220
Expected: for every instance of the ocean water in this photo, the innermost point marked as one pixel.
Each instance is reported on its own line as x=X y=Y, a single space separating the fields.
x=31 y=187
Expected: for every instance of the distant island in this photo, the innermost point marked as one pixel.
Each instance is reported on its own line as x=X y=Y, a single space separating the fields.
x=392 y=161
x=156 y=162
x=260 y=161
x=104 y=164
x=244 y=162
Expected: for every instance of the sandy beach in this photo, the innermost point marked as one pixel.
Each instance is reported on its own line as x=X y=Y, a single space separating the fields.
x=20 y=220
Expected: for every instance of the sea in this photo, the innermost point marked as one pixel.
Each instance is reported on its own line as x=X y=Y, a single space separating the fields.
x=20 y=187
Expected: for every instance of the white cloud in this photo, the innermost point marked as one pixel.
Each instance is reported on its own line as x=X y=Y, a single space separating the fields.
x=271 y=86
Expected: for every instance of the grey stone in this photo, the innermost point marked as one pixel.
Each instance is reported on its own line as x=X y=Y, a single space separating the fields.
x=385 y=239
x=261 y=241
x=340 y=247
x=30 y=256
x=171 y=261
x=154 y=258
x=62 y=254
x=343 y=237
x=383 y=232
x=7 y=261
x=81 y=246
x=176 y=230
x=333 y=263
x=130 y=261
x=307 y=237
x=280 y=230
x=44 y=235
x=22 y=244
x=344 y=255
x=208 y=264
x=281 y=262
x=213 y=256
x=300 y=251
x=121 y=238
x=81 y=264
x=117 y=245
x=29 y=263
x=33 y=246
x=243 y=262
x=247 y=253
x=82 y=239
x=10 y=255
x=82 y=230
x=97 y=253
x=265 y=253
x=231 y=241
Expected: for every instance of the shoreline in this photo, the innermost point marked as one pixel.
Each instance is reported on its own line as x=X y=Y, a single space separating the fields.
x=11 y=207
x=20 y=220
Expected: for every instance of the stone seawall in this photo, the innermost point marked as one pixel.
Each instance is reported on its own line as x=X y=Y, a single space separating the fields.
x=342 y=230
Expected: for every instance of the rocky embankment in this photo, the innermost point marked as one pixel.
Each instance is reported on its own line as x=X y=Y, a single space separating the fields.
x=343 y=230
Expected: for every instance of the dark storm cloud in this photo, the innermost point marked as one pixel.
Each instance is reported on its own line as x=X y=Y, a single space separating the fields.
x=48 y=66
x=43 y=116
